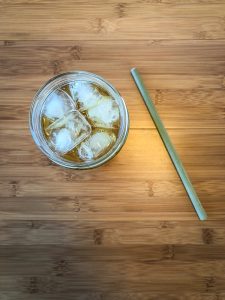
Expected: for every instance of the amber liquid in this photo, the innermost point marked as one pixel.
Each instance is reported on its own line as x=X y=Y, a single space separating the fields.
x=73 y=154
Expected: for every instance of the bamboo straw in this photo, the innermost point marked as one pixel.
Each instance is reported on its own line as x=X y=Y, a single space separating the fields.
x=169 y=146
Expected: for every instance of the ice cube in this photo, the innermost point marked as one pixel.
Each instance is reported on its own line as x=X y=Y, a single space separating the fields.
x=73 y=91
x=68 y=132
x=59 y=123
x=86 y=94
x=95 y=145
x=69 y=90
x=62 y=140
x=105 y=114
x=57 y=104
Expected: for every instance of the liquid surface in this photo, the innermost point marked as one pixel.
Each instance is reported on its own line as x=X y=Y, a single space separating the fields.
x=80 y=121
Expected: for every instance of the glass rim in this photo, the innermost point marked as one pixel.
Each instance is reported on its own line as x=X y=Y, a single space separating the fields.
x=36 y=130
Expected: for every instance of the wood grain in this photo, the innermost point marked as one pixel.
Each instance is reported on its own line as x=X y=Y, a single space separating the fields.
x=127 y=229
x=113 y=20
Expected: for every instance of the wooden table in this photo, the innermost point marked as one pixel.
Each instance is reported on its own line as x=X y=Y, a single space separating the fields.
x=127 y=229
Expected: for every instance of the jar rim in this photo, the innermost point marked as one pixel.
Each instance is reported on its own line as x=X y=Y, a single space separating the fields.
x=57 y=82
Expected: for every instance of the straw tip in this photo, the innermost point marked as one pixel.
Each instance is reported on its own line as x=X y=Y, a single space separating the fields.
x=203 y=217
x=133 y=70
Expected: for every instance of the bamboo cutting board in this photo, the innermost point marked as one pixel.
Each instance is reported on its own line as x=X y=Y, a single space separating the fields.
x=127 y=229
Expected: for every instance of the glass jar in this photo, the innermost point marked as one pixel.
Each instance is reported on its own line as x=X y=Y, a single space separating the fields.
x=36 y=114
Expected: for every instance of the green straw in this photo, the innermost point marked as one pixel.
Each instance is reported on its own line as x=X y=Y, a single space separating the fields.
x=169 y=146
